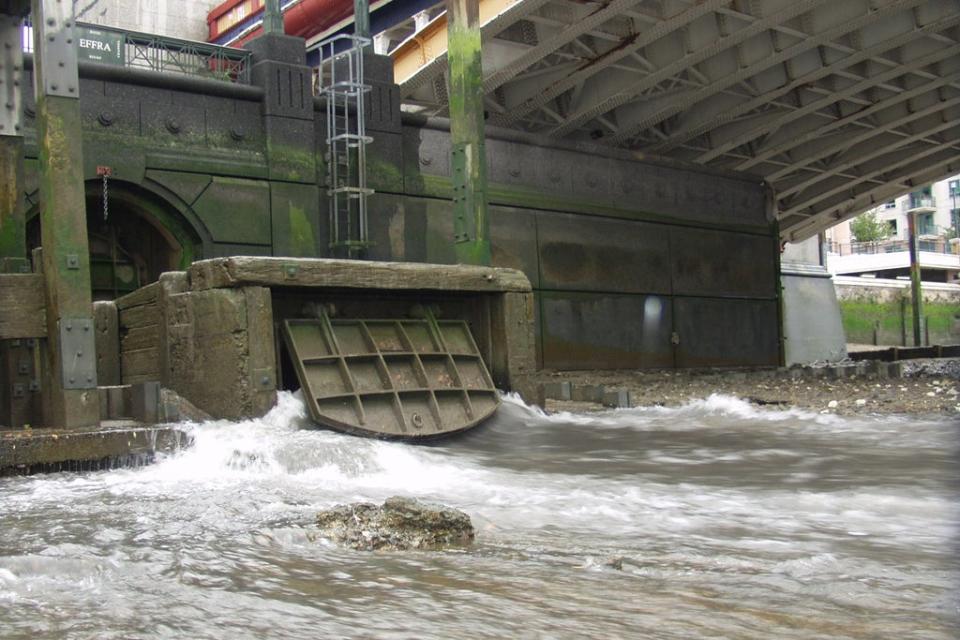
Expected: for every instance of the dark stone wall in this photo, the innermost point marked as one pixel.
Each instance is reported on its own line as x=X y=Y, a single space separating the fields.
x=635 y=263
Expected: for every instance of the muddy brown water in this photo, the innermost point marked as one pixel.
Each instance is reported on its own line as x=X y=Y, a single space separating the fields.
x=728 y=521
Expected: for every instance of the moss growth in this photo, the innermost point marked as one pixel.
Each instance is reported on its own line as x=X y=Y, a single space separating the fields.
x=891 y=320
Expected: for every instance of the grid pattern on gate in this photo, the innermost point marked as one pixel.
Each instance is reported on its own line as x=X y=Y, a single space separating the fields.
x=405 y=378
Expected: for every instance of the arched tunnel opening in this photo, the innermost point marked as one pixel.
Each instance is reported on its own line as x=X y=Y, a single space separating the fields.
x=133 y=239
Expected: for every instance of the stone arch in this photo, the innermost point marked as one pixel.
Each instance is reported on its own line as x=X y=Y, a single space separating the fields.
x=144 y=234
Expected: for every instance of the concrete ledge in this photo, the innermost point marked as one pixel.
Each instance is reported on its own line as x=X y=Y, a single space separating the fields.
x=114 y=444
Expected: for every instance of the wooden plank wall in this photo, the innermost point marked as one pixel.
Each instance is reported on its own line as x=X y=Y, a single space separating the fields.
x=139 y=324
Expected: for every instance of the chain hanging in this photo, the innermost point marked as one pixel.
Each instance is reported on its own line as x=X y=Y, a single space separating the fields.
x=105 y=172
x=106 y=208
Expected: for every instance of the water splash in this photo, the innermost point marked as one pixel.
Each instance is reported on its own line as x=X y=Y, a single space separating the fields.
x=727 y=518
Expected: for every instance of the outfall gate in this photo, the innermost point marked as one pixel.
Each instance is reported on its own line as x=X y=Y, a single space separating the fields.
x=218 y=334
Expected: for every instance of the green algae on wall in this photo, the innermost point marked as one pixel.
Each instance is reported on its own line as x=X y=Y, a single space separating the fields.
x=887 y=322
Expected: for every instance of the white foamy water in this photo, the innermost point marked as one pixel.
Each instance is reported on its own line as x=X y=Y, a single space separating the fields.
x=727 y=520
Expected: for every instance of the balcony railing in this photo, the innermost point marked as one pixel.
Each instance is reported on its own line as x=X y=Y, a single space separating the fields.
x=933 y=245
x=918 y=202
x=107 y=45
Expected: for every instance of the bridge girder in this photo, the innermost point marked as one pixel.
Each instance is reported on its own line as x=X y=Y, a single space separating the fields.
x=837 y=105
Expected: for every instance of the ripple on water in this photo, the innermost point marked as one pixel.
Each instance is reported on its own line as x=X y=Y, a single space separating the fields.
x=714 y=519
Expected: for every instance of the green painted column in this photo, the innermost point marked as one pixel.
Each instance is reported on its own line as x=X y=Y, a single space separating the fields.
x=471 y=223
x=272 y=17
x=13 y=240
x=70 y=389
x=361 y=18
x=916 y=290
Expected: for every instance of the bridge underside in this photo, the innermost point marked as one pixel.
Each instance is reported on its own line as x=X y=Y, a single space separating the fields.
x=837 y=105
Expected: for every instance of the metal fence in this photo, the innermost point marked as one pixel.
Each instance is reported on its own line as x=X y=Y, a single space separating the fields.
x=107 y=45
x=934 y=245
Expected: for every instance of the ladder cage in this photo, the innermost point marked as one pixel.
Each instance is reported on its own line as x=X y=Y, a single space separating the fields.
x=341 y=83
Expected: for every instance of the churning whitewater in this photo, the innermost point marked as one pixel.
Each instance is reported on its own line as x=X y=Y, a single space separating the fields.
x=716 y=519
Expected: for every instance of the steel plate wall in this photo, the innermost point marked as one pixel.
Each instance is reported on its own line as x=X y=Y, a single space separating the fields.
x=605 y=331
x=714 y=332
x=601 y=254
x=722 y=263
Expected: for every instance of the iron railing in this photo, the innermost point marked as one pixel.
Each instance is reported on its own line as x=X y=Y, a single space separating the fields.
x=920 y=201
x=934 y=245
x=164 y=54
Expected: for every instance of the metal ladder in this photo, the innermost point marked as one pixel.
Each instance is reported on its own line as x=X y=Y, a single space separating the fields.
x=341 y=83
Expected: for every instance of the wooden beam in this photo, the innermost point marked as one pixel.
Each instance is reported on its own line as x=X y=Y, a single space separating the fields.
x=352 y=274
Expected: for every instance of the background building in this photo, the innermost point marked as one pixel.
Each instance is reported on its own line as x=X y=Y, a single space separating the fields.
x=173 y=18
x=938 y=227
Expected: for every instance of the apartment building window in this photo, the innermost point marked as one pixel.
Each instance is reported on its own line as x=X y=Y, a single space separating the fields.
x=955 y=188
x=925 y=226
x=892 y=225
x=954 y=230
x=890 y=204
x=921 y=198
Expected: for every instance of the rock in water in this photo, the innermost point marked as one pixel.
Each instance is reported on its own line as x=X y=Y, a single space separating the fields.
x=400 y=524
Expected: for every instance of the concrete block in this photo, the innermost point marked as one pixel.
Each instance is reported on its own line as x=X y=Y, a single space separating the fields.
x=117 y=405
x=876 y=368
x=104 y=403
x=558 y=390
x=145 y=402
x=220 y=350
x=588 y=393
x=107 y=336
x=617 y=398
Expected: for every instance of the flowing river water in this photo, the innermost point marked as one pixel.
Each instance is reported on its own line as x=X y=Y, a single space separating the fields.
x=727 y=521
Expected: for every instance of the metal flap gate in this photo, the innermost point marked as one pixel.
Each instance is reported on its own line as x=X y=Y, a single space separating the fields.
x=391 y=378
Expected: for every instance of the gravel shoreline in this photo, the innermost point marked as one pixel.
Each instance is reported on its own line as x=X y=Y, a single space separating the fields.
x=926 y=388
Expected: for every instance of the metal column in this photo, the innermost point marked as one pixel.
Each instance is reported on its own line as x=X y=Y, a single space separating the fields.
x=71 y=391
x=272 y=17
x=361 y=18
x=471 y=225
x=13 y=245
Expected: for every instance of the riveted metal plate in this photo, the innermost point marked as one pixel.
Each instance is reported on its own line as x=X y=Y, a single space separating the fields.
x=55 y=42
x=405 y=378
x=11 y=65
x=78 y=353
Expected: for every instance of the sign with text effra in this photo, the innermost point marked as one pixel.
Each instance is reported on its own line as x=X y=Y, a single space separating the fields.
x=105 y=47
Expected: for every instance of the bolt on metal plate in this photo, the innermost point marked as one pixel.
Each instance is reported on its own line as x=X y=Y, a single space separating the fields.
x=78 y=354
x=11 y=64
x=55 y=41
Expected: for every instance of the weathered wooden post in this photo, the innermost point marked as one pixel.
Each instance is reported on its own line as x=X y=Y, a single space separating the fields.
x=471 y=225
x=70 y=392
x=13 y=245
x=916 y=292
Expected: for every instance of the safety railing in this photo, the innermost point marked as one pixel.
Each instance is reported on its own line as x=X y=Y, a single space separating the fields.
x=920 y=202
x=108 y=45
x=933 y=245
